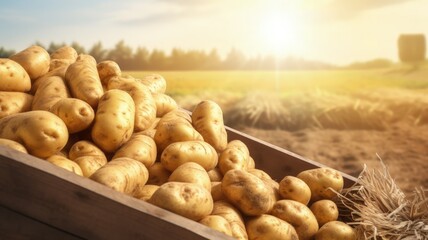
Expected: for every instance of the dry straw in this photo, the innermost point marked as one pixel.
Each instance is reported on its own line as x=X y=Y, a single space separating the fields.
x=379 y=209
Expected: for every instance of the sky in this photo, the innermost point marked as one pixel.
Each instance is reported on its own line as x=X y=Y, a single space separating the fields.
x=333 y=31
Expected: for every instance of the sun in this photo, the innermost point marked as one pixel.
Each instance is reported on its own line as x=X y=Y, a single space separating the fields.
x=278 y=32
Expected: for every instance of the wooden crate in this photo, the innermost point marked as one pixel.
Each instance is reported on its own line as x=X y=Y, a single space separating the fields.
x=41 y=201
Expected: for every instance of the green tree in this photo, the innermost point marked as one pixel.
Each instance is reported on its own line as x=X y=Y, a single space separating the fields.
x=122 y=55
x=79 y=48
x=234 y=60
x=54 y=46
x=140 y=60
x=98 y=52
x=157 y=60
x=6 y=53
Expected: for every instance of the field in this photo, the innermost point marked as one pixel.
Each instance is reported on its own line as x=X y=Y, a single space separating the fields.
x=341 y=118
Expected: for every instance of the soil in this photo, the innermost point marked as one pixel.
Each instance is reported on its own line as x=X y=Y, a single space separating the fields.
x=403 y=147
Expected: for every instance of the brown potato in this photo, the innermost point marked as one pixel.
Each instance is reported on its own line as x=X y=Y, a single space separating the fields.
x=146 y=192
x=175 y=131
x=158 y=175
x=35 y=60
x=325 y=211
x=65 y=163
x=42 y=133
x=336 y=230
x=320 y=180
x=59 y=63
x=233 y=216
x=12 y=144
x=247 y=192
x=85 y=148
x=192 y=173
x=59 y=72
x=108 y=69
x=207 y=119
x=294 y=189
x=298 y=215
x=90 y=164
x=65 y=52
x=13 y=77
x=215 y=175
x=164 y=104
x=218 y=223
x=189 y=200
x=14 y=102
x=235 y=156
x=155 y=82
x=216 y=191
x=141 y=148
x=268 y=227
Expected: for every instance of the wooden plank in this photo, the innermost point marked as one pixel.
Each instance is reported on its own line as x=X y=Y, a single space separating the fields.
x=277 y=161
x=15 y=226
x=40 y=190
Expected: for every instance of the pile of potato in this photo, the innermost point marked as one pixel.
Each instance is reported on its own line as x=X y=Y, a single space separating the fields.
x=127 y=134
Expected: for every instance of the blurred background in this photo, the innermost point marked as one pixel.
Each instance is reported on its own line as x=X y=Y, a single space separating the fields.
x=339 y=82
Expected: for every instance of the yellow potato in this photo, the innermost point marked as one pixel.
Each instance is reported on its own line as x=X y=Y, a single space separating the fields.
x=42 y=133
x=14 y=102
x=175 y=131
x=189 y=200
x=155 y=82
x=192 y=173
x=12 y=144
x=178 y=153
x=65 y=52
x=251 y=163
x=216 y=191
x=65 y=163
x=13 y=77
x=235 y=156
x=108 y=69
x=158 y=175
x=85 y=148
x=35 y=60
x=320 y=180
x=146 y=192
x=325 y=211
x=122 y=174
x=298 y=215
x=233 y=216
x=59 y=72
x=141 y=148
x=336 y=230
x=164 y=104
x=218 y=223
x=207 y=118
x=294 y=189
x=247 y=192
x=269 y=182
x=90 y=164
x=114 y=120
x=268 y=227
x=59 y=63
x=215 y=175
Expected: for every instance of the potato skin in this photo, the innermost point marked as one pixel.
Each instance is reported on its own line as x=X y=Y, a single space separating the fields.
x=65 y=163
x=336 y=230
x=218 y=223
x=193 y=173
x=164 y=104
x=179 y=153
x=298 y=215
x=85 y=148
x=175 y=131
x=12 y=144
x=42 y=133
x=122 y=174
x=158 y=175
x=90 y=164
x=215 y=175
x=146 y=192
x=141 y=148
x=207 y=118
x=267 y=227
x=324 y=211
x=233 y=216
x=65 y=52
x=116 y=113
x=189 y=200
x=294 y=188
x=14 y=102
x=247 y=192
x=320 y=180
x=235 y=156
x=155 y=82
x=13 y=77
x=34 y=59
x=107 y=69
x=216 y=191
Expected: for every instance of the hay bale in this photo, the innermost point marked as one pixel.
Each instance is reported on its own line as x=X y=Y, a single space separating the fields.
x=411 y=48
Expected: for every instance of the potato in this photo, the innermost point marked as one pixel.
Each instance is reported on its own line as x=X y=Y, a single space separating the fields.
x=122 y=174
x=294 y=189
x=298 y=215
x=336 y=230
x=145 y=107
x=216 y=191
x=59 y=72
x=164 y=104
x=90 y=164
x=233 y=216
x=14 y=102
x=13 y=77
x=215 y=175
x=247 y=192
x=59 y=63
x=65 y=52
x=52 y=95
x=320 y=180
x=149 y=133
x=189 y=200
x=268 y=227
x=85 y=148
x=207 y=119
x=235 y=156
x=107 y=69
x=65 y=163
x=192 y=173
x=158 y=175
x=35 y=60
x=12 y=144
x=145 y=193
x=179 y=115
x=251 y=163
x=179 y=153
x=324 y=211
x=269 y=182
x=141 y=148
x=217 y=223
x=42 y=133
x=115 y=114
x=83 y=80
x=175 y=131
x=155 y=82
